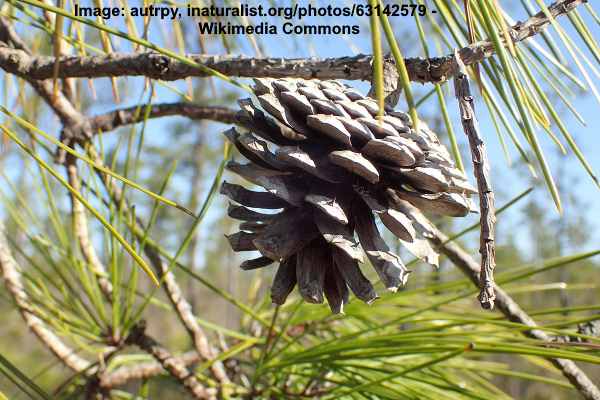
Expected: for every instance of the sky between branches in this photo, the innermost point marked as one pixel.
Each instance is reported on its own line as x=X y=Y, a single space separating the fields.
x=508 y=181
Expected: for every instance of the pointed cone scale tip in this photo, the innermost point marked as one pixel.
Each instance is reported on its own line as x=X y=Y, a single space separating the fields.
x=373 y=300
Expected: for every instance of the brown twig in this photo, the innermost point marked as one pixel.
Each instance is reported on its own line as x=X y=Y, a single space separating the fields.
x=172 y=364
x=144 y=370
x=484 y=186
x=117 y=118
x=82 y=233
x=12 y=279
x=158 y=66
x=65 y=111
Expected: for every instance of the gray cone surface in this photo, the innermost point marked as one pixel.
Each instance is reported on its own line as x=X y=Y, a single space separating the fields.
x=330 y=169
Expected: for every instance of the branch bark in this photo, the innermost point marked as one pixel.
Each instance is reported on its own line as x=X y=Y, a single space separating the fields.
x=481 y=167
x=80 y=223
x=144 y=370
x=126 y=116
x=11 y=273
x=173 y=365
x=157 y=66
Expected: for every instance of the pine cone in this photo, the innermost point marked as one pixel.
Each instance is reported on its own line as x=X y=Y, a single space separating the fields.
x=331 y=166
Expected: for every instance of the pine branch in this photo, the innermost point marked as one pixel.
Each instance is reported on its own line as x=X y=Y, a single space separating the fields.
x=73 y=121
x=80 y=224
x=75 y=125
x=173 y=365
x=11 y=272
x=65 y=111
x=145 y=370
x=68 y=116
x=77 y=129
x=157 y=66
x=117 y=118
x=484 y=186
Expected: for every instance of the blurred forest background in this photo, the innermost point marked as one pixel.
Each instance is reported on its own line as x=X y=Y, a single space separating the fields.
x=545 y=260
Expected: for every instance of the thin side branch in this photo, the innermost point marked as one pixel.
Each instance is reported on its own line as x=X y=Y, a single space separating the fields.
x=173 y=365
x=11 y=273
x=126 y=116
x=157 y=66
x=80 y=224
x=145 y=370
x=65 y=111
x=481 y=167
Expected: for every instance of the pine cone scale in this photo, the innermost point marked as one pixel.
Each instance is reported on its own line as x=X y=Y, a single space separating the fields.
x=255 y=263
x=312 y=263
x=350 y=272
x=355 y=163
x=284 y=281
x=248 y=198
x=277 y=241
